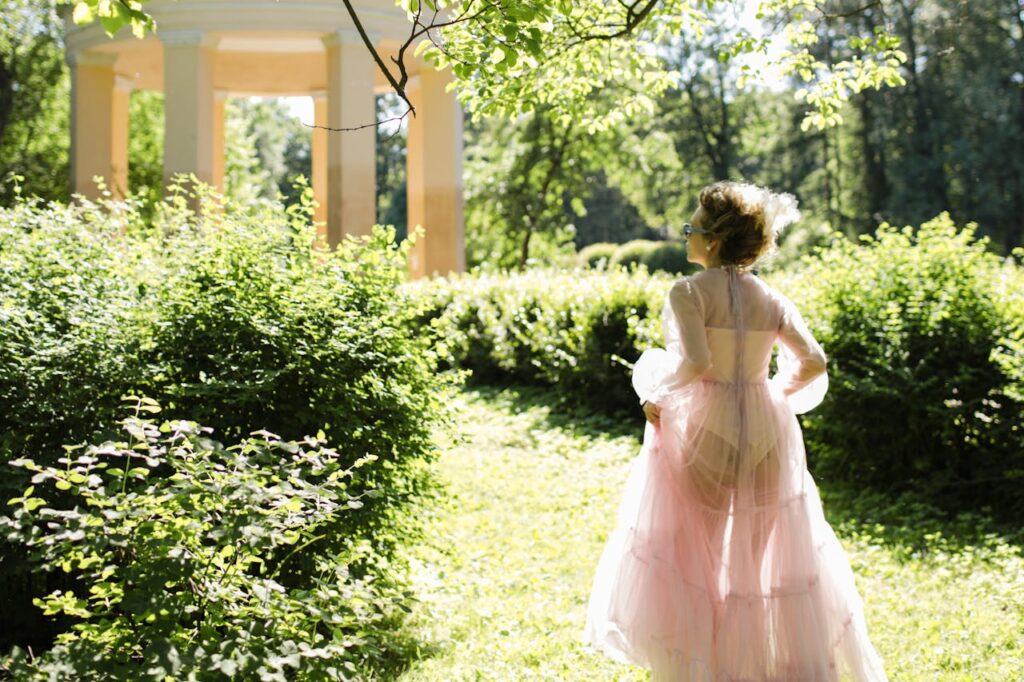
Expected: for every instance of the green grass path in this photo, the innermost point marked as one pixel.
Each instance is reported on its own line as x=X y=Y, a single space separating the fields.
x=504 y=577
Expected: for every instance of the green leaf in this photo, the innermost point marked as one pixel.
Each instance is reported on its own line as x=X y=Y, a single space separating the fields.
x=83 y=13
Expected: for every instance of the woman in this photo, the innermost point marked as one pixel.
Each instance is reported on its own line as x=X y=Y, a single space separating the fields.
x=722 y=566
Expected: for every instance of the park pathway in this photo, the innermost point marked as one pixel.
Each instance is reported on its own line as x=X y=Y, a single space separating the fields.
x=505 y=573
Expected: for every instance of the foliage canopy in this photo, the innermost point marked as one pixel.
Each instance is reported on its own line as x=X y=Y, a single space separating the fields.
x=510 y=57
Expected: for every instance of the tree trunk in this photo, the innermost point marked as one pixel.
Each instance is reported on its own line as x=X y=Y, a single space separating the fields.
x=6 y=92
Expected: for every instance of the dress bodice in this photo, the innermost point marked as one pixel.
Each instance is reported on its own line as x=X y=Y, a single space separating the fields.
x=721 y=325
x=757 y=354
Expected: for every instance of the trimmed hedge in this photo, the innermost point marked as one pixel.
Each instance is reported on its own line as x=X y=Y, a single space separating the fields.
x=596 y=256
x=232 y=320
x=576 y=331
x=633 y=253
x=656 y=256
x=669 y=257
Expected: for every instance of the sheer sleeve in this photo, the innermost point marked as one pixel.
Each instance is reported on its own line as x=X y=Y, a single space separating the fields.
x=686 y=356
x=802 y=366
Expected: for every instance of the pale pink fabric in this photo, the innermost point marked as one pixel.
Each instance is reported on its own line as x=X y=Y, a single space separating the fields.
x=722 y=566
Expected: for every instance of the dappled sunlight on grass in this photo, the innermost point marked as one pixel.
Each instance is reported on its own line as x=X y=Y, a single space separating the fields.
x=946 y=593
x=504 y=577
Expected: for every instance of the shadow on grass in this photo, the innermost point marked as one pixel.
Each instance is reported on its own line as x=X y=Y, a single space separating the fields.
x=400 y=649
x=912 y=527
x=908 y=525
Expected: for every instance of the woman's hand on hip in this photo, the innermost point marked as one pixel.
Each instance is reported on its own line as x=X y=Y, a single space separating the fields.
x=652 y=412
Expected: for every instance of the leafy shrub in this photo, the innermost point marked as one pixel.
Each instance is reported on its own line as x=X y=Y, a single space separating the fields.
x=924 y=333
x=633 y=253
x=71 y=325
x=576 y=331
x=232 y=319
x=180 y=546
x=668 y=257
x=663 y=256
x=596 y=256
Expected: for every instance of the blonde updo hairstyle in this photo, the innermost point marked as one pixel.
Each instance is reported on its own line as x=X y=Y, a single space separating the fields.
x=746 y=219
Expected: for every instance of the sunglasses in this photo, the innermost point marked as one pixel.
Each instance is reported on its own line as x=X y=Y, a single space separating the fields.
x=689 y=229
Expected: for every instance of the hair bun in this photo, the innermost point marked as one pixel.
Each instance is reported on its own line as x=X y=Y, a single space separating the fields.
x=747 y=218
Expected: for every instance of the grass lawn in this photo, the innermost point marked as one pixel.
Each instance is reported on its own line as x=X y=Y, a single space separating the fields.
x=504 y=579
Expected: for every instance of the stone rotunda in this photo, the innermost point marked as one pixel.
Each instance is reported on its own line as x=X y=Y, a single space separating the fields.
x=205 y=51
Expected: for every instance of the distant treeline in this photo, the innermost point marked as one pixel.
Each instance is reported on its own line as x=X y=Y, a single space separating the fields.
x=951 y=139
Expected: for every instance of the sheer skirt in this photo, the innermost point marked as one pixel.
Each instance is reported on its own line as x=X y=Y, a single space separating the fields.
x=722 y=566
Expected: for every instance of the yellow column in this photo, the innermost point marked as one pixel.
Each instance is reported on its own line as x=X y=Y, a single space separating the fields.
x=319 y=162
x=219 y=99
x=119 y=136
x=351 y=154
x=434 y=176
x=99 y=125
x=188 y=104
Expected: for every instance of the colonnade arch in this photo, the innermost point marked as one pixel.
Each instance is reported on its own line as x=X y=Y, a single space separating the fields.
x=206 y=51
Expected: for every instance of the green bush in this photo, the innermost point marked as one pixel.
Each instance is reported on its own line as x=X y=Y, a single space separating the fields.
x=233 y=320
x=596 y=256
x=72 y=326
x=656 y=256
x=924 y=333
x=576 y=331
x=668 y=257
x=633 y=253
x=180 y=547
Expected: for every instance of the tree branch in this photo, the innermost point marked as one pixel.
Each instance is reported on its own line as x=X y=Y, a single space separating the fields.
x=633 y=19
x=365 y=125
x=829 y=16
x=398 y=88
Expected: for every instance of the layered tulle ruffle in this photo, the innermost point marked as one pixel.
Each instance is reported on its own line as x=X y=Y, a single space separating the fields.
x=722 y=566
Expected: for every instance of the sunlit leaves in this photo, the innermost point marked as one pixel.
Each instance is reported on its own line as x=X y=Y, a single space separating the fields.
x=114 y=14
x=574 y=51
x=510 y=57
x=192 y=554
x=233 y=315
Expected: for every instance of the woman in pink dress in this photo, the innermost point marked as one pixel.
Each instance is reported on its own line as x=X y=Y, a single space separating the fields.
x=722 y=566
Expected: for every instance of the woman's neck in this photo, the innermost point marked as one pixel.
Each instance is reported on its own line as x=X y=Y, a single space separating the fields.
x=725 y=266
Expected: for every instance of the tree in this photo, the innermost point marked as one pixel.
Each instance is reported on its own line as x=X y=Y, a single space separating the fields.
x=34 y=110
x=517 y=175
x=391 y=173
x=511 y=56
x=953 y=139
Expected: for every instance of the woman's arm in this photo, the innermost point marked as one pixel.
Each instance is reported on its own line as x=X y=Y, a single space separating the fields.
x=802 y=375
x=660 y=371
x=688 y=309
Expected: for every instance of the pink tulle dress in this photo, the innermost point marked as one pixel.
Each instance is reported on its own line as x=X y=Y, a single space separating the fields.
x=722 y=566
